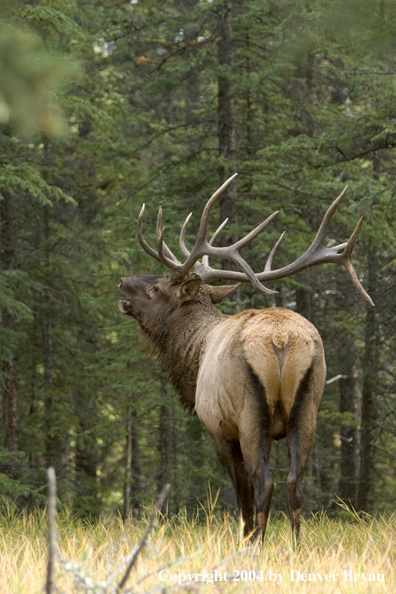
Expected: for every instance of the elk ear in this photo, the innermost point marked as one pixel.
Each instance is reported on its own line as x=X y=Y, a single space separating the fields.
x=189 y=289
x=218 y=294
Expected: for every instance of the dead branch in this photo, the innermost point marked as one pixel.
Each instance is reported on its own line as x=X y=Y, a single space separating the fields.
x=52 y=540
x=381 y=425
x=163 y=495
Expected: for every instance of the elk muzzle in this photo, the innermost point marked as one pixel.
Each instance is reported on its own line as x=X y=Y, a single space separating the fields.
x=124 y=306
x=134 y=290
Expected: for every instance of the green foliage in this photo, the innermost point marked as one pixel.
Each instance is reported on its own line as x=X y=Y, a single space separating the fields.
x=30 y=74
x=24 y=178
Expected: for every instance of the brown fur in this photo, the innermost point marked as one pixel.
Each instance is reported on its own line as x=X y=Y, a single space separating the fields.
x=252 y=377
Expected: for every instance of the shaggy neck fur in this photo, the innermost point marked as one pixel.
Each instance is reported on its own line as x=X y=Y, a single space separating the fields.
x=179 y=343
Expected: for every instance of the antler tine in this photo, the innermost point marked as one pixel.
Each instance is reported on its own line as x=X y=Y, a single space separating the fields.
x=164 y=255
x=203 y=226
x=322 y=231
x=165 y=250
x=232 y=253
x=211 y=241
x=205 y=259
x=162 y=248
x=250 y=236
x=148 y=249
x=348 y=264
x=182 y=235
x=158 y=227
x=201 y=245
x=218 y=231
x=270 y=259
x=353 y=238
x=316 y=253
x=237 y=258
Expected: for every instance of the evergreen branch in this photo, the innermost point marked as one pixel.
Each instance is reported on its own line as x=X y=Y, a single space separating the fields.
x=381 y=425
x=170 y=129
x=250 y=42
x=356 y=72
x=387 y=145
x=26 y=178
x=296 y=190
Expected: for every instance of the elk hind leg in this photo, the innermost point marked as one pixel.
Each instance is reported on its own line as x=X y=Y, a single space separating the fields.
x=300 y=434
x=256 y=456
x=255 y=427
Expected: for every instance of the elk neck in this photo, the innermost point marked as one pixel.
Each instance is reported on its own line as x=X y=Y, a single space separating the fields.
x=179 y=343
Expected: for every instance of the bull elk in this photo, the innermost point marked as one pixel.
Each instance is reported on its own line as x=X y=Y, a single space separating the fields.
x=252 y=377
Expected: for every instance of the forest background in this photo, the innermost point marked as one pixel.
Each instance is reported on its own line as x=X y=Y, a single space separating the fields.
x=105 y=105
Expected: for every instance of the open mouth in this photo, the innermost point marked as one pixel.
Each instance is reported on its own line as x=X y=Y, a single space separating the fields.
x=124 y=306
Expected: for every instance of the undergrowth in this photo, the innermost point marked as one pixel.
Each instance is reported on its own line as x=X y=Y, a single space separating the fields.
x=182 y=548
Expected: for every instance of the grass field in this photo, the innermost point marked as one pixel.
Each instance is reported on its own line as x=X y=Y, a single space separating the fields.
x=181 y=549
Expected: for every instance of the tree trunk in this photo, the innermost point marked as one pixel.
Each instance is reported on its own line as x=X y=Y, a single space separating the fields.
x=191 y=32
x=164 y=442
x=10 y=402
x=56 y=445
x=9 y=392
x=304 y=303
x=128 y=463
x=86 y=458
x=281 y=296
x=132 y=499
x=51 y=454
x=369 y=400
x=196 y=461
x=350 y=395
x=349 y=403
x=225 y=112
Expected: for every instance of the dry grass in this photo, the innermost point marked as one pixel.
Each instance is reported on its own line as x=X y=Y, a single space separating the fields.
x=180 y=546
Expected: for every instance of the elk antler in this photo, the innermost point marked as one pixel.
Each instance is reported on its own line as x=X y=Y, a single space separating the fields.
x=317 y=253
